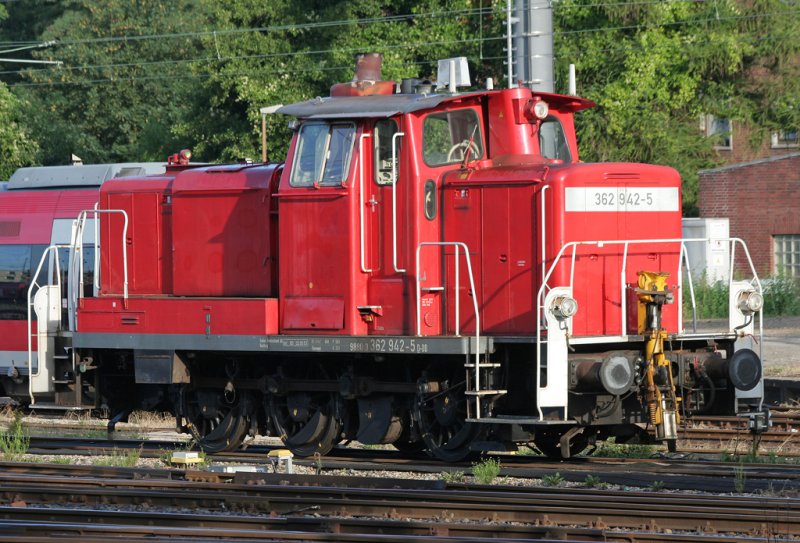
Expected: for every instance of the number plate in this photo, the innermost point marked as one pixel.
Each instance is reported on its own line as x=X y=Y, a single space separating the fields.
x=622 y=199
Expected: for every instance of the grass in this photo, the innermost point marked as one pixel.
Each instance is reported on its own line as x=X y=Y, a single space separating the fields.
x=592 y=481
x=527 y=451
x=487 y=471
x=15 y=441
x=657 y=486
x=63 y=460
x=119 y=458
x=739 y=478
x=453 y=476
x=611 y=449
x=553 y=479
x=148 y=421
x=771 y=457
x=781 y=298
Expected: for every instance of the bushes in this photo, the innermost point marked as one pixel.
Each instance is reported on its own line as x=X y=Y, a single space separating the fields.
x=781 y=298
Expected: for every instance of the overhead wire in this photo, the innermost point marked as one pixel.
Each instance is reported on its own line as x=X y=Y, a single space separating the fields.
x=478 y=40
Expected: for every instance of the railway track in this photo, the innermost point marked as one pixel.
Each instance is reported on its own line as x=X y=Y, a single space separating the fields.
x=669 y=473
x=37 y=503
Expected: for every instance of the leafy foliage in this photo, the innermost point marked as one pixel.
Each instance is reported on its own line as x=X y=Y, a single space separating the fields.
x=17 y=148
x=781 y=298
x=107 y=103
x=654 y=68
x=144 y=79
x=15 y=441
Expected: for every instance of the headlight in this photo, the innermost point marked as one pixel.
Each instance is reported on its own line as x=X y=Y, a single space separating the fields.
x=541 y=109
x=749 y=302
x=563 y=307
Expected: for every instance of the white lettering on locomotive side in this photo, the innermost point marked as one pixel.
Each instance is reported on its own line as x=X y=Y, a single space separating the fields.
x=622 y=199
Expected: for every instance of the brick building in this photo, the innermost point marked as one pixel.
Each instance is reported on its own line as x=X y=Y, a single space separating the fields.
x=762 y=200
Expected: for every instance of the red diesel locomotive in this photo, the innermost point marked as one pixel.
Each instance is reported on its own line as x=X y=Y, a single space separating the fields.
x=429 y=268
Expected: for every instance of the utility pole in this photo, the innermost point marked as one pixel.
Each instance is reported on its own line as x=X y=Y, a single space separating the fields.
x=532 y=51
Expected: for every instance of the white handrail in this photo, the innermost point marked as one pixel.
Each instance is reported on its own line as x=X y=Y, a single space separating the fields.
x=683 y=256
x=394 y=201
x=361 y=202
x=96 y=278
x=35 y=285
x=82 y=221
x=457 y=245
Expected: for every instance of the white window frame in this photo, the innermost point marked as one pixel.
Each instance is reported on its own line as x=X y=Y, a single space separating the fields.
x=780 y=141
x=707 y=126
x=784 y=245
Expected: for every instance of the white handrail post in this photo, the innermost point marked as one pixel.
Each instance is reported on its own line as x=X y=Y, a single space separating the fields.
x=419 y=292
x=394 y=201
x=477 y=327
x=96 y=278
x=457 y=293
x=623 y=291
x=124 y=254
x=361 y=203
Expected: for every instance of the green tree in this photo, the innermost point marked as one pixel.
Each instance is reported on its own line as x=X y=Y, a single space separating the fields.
x=655 y=67
x=282 y=51
x=16 y=147
x=123 y=88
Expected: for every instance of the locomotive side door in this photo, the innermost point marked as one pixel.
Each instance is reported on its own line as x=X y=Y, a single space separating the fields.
x=322 y=287
x=386 y=201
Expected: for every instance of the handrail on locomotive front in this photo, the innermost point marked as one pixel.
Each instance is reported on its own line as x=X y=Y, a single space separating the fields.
x=683 y=256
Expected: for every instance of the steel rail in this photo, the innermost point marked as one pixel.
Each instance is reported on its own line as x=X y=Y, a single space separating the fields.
x=103 y=526
x=620 y=510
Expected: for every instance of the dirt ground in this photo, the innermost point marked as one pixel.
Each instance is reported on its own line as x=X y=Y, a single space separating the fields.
x=781 y=347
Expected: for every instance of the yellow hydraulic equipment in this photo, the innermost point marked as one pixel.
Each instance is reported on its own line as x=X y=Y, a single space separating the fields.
x=662 y=399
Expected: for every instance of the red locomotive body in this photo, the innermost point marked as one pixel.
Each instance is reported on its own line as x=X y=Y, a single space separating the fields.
x=435 y=271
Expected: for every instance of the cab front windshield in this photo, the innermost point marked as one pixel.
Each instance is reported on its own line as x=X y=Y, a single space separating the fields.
x=323 y=154
x=553 y=141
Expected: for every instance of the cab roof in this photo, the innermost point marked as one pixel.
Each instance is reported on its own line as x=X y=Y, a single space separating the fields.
x=381 y=106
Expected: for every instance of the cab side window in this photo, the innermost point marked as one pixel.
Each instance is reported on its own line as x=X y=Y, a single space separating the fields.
x=448 y=137
x=382 y=136
x=323 y=154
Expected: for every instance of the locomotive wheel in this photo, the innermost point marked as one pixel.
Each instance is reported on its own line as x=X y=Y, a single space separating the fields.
x=306 y=421
x=442 y=422
x=217 y=424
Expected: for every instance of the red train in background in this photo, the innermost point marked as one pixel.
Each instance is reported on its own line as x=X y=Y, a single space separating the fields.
x=428 y=268
x=38 y=207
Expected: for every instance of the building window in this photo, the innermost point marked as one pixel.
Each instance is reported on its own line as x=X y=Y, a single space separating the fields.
x=785 y=139
x=718 y=128
x=787 y=254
